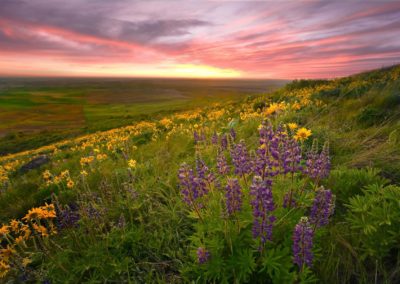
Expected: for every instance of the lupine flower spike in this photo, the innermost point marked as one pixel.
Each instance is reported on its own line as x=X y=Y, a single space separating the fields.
x=322 y=208
x=303 y=243
x=234 y=196
x=203 y=255
x=263 y=205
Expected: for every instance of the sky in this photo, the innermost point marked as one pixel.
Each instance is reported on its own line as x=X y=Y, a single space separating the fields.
x=238 y=39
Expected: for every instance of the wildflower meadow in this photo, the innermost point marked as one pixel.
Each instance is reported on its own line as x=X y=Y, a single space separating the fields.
x=299 y=185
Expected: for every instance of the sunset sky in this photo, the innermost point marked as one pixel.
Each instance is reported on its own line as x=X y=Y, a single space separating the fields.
x=245 y=39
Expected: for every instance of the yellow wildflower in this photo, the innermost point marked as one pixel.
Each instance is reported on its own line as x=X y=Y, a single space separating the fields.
x=292 y=126
x=132 y=164
x=64 y=174
x=46 y=174
x=4 y=268
x=302 y=134
x=4 y=230
x=41 y=230
x=26 y=261
x=70 y=183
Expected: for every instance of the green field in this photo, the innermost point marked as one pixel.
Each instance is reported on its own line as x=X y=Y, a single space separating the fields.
x=297 y=185
x=37 y=111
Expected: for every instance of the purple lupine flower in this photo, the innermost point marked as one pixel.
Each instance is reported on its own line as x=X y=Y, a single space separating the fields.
x=224 y=142
x=264 y=164
x=263 y=205
x=67 y=216
x=203 y=255
x=268 y=155
x=266 y=132
x=303 y=243
x=94 y=212
x=234 y=196
x=291 y=157
x=322 y=208
x=191 y=186
x=232 y=133
x=241 y=159
x=318 y=165
x=196 y=137
x=222 y=164
x=204 y=172
x=214 y=138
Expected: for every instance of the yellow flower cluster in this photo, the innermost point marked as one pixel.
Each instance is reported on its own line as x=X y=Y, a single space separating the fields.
x=49 y=178
x=132 y=164
x=192 y=115
x=215 y=114
x=3 y=175
x=15 y=237
x=275 y=108
x=166 y=122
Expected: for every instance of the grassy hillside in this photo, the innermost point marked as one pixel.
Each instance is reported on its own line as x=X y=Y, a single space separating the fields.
x=38 y=111
x=298 y=185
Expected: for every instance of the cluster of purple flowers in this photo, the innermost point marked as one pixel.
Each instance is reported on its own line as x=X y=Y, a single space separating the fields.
x=191 y=186
x=263 y=204
x=278 y=154
x=234 y=196
x=318 y=164
x=224 y=142
x=203 y=255
x=222 y=164
x=199 y=137
x=195 y=186
x=303 y=235
x=204 y=173
x=241 y=159
x=322 y=208
x=67 y=216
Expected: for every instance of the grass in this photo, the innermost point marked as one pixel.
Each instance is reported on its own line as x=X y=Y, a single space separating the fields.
x=135 y=227
x=31 y=108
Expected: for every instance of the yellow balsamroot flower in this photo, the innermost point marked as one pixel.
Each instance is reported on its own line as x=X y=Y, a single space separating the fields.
x=14 y=224
x=19 y=240
x=4 y=268
x=26 y=232
x=296 y=106
x=132 y=164
x=84 y=173
x=292 y=126
x=46 y=174
x=302 y=134
x=26 y=261
x=166 y=122
x=64 y=174
x=41 y=230
x=4 y=230
x=43 y=212
x=101 y=157
x=70 y=183
x=7 y=252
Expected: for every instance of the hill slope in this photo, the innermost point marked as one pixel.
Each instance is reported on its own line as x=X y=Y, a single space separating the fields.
x=245 y=191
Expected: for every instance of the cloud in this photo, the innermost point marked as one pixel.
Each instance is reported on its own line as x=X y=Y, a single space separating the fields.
x=257 y=39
